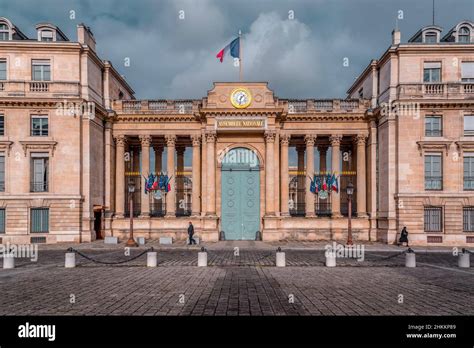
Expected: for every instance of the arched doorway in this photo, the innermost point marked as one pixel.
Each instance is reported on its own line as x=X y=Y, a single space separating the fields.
x=240 y=190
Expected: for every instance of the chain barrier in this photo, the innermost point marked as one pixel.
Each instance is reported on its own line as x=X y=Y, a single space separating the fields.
x=108 y=262
x=409 y=250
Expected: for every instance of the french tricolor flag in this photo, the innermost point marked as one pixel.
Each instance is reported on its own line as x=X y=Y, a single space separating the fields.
x=233 y=48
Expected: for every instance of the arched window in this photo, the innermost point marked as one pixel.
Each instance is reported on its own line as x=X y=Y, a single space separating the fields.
x=464 y=35
x=4 y=32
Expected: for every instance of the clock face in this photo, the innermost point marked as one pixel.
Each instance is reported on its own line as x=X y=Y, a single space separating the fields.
x=241 y=98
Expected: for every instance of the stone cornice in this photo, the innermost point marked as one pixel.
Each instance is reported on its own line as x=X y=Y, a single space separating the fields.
x=325 y=117
x=38 y=144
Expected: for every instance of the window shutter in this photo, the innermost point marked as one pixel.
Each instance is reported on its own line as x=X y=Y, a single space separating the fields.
x=432 y=65
x=467 y=70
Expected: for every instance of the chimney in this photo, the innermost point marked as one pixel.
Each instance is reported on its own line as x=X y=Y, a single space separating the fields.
x=396 y=37
x=85 y=36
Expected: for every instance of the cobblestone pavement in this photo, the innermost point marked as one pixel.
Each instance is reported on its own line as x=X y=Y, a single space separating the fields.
x=247 y=284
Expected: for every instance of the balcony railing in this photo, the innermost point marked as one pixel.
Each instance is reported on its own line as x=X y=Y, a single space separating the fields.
x=325 y=105
x=439 y=90
x=41 y=186
x=157 y=106
x=183 y=209
x=39 y=89
x=433 y=182
x=298 y=209
x=158 y=209
x=322 y=208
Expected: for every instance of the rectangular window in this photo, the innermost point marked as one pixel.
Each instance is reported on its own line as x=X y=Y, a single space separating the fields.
x=431 y=38
x=468 y=219
x=39 y=126
x=432 y=72
x=39 y=172
x=39 y=220
x=46 y=35
x=2 y=125
x=41 y=70
x=467 y=71
x=468 y=171
x=433 y=219
x=433 y=126
x=2 y=220
x=3 y=69
x=433 y=172
x=2 y=173
x=469 y=125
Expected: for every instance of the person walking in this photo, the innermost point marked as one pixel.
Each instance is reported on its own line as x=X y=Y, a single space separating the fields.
x=191 y=233
x=403 y=236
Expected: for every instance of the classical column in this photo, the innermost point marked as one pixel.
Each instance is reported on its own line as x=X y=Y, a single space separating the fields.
x=171 y=196
x=360 y=140
x=180 y=176
x=120 y=141
x=196 y=199
x=335 y=168
x=309 y=196
x=145 y=141
x=284 y=141
x=323 y=150
x=211 y=172
x=158 y=158
x=300 y=178
x=269 y=173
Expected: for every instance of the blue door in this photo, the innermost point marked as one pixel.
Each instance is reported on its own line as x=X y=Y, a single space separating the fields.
x=240 y=180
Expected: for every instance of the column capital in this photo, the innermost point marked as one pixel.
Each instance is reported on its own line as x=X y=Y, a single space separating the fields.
x=211 y=136
x=309 y=139
x=360 y=139
x=170 y=139
x=335 y=139
x=196 y=139
x=285 y=139
x=120 y=139
x=145 y=140
x=270 y=136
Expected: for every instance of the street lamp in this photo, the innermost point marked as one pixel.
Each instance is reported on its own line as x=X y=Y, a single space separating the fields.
x=350 y=192
x=131 y=189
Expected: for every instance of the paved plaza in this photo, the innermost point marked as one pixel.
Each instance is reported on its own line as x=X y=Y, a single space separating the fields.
x=247 y=283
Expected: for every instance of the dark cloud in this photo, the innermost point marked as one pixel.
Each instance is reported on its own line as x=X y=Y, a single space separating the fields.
x=300 y=57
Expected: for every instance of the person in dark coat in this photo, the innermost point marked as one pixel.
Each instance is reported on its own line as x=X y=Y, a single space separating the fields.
x=403 y=236
x=191 y=233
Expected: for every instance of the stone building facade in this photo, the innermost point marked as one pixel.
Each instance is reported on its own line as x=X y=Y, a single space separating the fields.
x=240 y=160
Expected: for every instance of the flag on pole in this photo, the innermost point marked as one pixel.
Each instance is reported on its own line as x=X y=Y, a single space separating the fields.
x=233 y=48
x=325 y=185
x=334 y=184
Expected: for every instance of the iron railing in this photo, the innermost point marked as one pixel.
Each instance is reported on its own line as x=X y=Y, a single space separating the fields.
x=39 y=186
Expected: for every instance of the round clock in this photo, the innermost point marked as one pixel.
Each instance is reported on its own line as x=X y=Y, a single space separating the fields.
x=240 y=98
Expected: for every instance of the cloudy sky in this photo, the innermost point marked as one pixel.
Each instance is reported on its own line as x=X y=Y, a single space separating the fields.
x=300 y=57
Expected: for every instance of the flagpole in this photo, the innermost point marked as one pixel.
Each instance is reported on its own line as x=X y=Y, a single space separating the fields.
x=240 y=56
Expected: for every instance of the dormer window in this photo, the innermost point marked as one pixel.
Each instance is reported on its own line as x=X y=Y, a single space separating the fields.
x=46 y=35
x=431 y=37
x=4 y=32
x=464 y=35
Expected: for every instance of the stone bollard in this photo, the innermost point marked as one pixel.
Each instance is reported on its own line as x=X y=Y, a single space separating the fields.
x=151 y=259
x=410 y=259
x=202 y=258
x=8 y=261
x=330 y=259
x=70 y=260
x=464 y=259
x=280 y=258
